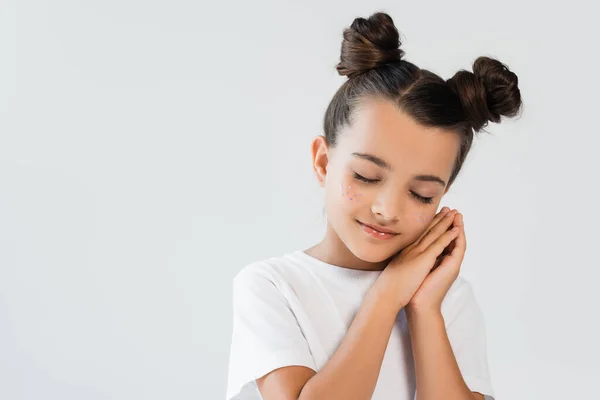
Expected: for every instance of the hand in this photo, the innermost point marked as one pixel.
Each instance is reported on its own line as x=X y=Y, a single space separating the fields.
x=432 y=291
x=407 y=269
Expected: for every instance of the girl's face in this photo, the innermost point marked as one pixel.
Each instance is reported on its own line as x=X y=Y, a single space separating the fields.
x=385 y=170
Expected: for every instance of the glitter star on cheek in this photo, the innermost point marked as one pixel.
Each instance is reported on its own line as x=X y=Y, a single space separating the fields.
x=420 y=217
x=352 y=196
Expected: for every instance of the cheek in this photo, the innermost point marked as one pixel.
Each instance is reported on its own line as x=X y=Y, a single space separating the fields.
x=349 y=194
x=421 y=218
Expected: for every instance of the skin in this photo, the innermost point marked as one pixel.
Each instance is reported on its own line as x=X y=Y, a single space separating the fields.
x=381 y=129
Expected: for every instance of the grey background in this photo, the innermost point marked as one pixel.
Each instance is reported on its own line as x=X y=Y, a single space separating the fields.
x=151 y=149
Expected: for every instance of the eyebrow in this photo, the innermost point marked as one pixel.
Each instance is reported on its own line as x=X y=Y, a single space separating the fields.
x=381 y=163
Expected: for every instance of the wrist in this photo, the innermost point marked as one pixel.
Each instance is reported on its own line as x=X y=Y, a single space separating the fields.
x=387 y=294
x=423 y=313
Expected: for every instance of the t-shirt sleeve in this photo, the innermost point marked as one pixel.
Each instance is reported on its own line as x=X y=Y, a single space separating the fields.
x=465 y=326
x=265 y=336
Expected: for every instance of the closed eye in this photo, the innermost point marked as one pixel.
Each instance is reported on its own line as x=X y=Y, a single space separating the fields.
x=425 y=200
x=363 y=179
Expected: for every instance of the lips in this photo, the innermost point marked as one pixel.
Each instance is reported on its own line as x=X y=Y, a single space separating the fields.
x=379 y=228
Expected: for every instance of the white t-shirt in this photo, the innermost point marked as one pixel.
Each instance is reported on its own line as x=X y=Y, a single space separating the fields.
x=295 y=310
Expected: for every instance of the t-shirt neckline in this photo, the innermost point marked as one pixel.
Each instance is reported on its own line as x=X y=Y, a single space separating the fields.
x=337 y=270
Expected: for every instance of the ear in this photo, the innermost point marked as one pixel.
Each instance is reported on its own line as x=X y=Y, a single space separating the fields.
x=320 y=158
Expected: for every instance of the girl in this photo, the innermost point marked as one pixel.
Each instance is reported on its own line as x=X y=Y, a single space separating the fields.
x=376 y=309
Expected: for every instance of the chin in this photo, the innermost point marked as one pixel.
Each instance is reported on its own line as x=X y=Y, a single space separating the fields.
x=374 y=255
x=369 y=252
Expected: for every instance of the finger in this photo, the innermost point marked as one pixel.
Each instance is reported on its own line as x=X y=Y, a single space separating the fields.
x=446 y=252
x=452 y=262
x=449 y=265
x=442 y=226
x=450 y=254
x=436 y=248
x=460 y=244
x=440 y=216
x=450 y=248
x=445 y=210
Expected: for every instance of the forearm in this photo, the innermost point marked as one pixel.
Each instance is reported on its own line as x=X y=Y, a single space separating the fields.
x=353 y=370
x=436 y=369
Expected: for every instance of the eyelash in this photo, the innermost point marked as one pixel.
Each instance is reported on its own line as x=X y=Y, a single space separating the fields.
x=425 y=200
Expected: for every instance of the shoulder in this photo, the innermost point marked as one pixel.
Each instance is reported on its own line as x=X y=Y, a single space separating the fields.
x=461 y=303
x=272 y=269
x=279 y=274
x=279 y=270
x=460 y=288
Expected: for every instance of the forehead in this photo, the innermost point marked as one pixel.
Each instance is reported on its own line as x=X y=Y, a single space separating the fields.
x=379 y=127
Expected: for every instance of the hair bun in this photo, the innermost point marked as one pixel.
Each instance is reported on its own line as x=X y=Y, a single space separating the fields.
x=369 y=43
x=487 y=93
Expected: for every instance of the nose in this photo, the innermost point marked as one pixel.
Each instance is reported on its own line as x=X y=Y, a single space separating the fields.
x=388 y=205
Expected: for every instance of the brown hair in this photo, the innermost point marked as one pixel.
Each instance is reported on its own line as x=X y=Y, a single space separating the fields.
x=371 y=58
